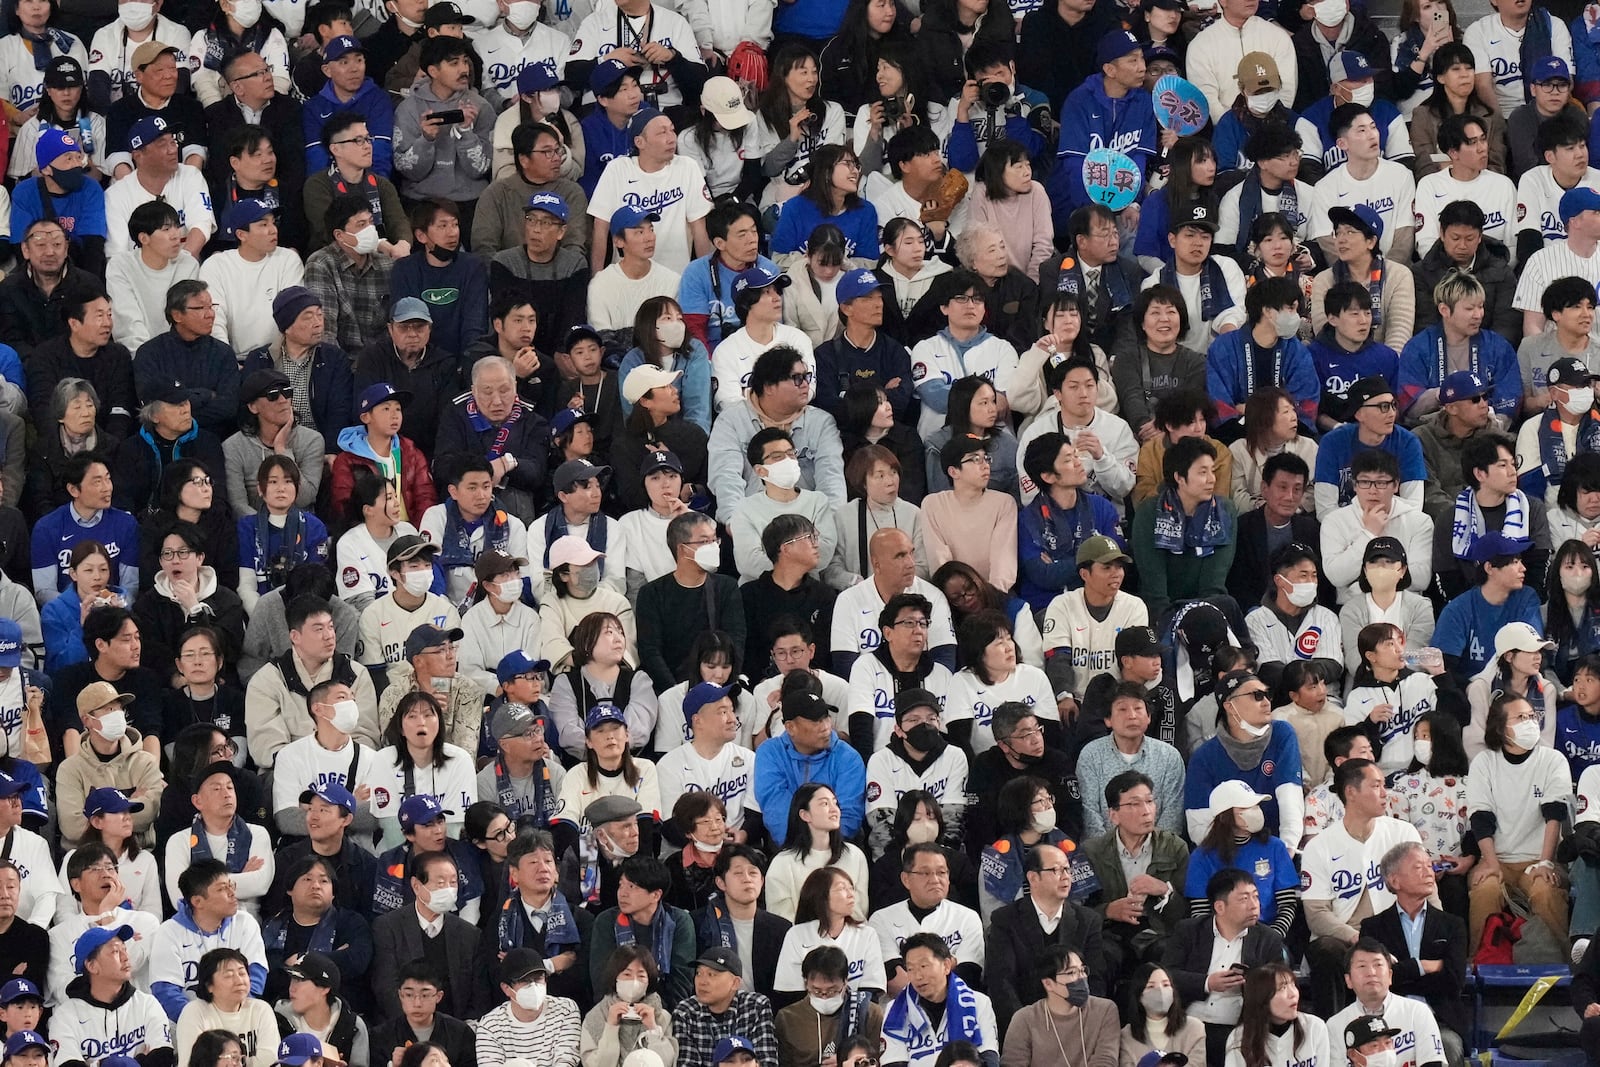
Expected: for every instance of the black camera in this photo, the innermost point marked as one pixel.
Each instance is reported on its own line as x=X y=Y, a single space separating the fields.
x=994 y=95
x=894 y=109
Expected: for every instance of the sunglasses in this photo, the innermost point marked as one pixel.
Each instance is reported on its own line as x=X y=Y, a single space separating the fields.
x=278 y=394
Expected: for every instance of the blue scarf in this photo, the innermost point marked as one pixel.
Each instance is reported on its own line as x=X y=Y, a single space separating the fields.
x=544 y=798
x=560 y=928
x=1553 y=444
x=1468 y=524
x=662 y=931
x=1214 y=295
x=715 y=926
x=221 y=45
x=1443 y=370
x=908 y=1023
x=1250 y=194
x=276 y=933
x=1341 y=273
x=1077 y=524
x=1254 y=365
x=1112 y=282
x=238 y=843
x=502 y=433
x=1202 y=532
x=555 y=527
x=455 y=543
x=291 y=545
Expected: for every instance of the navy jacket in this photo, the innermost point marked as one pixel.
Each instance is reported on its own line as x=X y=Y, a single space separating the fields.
x=457 y=295
x=333 y=388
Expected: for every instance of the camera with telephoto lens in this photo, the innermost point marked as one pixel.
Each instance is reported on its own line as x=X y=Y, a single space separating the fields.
x=994 y=95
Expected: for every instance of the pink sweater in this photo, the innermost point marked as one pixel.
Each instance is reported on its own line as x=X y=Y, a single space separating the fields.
x=983 y=536
x=1024 y=220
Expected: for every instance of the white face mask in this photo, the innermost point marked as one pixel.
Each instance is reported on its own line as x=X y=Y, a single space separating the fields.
x=113 y=725
x=1252 y=821
x=631 y=990
x=1044 y=821
x=1386 y=1058
x=708 y=558
x=1330 y=12
x=1302 y=594
x=920 y=833
x=417 y=582
x=827 y=1005
x=785 y=474
x=247 y=12
x=1580 y=399
x=1157 y=1001
x=136 y=15
x=444 y=900
x=531 y=996
x=522 y=14
x=549 y=100
x=1261 y=103
x=1286 y=323
x=670 y=332
x=346 y=716
x=407 y=23
x=1254 y=732
x=1525 y=734
x=710 y=850
x=1574 y=582
x=366 y=240
x=1363 y=95
x=508 y=591
x=1423 y=750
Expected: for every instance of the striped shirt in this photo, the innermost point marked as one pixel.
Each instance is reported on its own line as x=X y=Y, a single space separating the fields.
x=551 y=1040
x=1545 y=266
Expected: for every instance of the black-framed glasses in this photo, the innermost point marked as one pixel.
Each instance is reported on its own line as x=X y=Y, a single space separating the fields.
x=362 y=141
x=170 y=554
x=286 y=393
x=1384 y=406
x=263 y=72
x=802 y=380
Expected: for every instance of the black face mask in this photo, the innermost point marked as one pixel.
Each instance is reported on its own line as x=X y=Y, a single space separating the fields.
x=69 y=178
x=925 y=737
x=443 y=254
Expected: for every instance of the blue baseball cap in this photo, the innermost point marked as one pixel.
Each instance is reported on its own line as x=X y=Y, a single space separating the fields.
x=856 y=283
x=1349 y=66
x=410 y=309
x=147 y=130
x=1495 y=544
x=340 y=47
x=1578 y=199
x=537 y=77
x=119 y=1061
x=298 y=1049
x=518 y=662
x=729 y=1045
x=11 y=787
x=420 y=810
x=566 y=419
x=1114 y=45
x=375 y=394
x=10 y=643
x=626 y=218
x=1362 y=217
x=701 y=695
x=333 y=792
x=23 y=1039
x=607 y=73
x=759 y=277
x=104 y=800
x=243 y=214
x=19 y=989
x=636 y=125
x=550 y=204
x=1462 y=385
x=52 y=145
x=601 y=714
x=94 y=939
x=1549 y=69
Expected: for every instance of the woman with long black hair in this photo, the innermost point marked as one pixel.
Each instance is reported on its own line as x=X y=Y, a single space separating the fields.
x=849 y=62
x=1572 y=607
x=832 y=194
x=793 y=120
x=811 y=842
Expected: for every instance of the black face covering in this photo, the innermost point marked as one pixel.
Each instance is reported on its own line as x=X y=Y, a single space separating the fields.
x=69 y=178
x=443 y=254
x=925 y=737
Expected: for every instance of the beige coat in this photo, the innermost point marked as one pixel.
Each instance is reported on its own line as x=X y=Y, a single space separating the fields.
x=463 y=712
x=131 y=769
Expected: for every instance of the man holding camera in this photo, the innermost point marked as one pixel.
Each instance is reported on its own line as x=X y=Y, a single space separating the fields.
x=992 y=105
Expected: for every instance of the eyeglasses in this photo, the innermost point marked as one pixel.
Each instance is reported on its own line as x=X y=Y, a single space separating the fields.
x=941 y=874
x=1138 y=805
x=965 y=298
x=1259 y=695
x=553 y=152
x=202 y=481
x=505 y=833
x=808 y=539
x=264 y=72
x=1055 y=872
x=226 y=750
x=541 y=221
x=201 y=308
x=802 y=380
x=1374 y=483
x=198 y=655
x=362 y=141
x=981 y=460
x=1385 y=406
x=1027 y=734
x=230 y=1057
x=915 y=624
x=285 y=393
x=1072 y=974
x=101 y=868
x=849 y=164
x=170 y=554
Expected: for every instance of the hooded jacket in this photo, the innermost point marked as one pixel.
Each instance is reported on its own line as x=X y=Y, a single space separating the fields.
x=130 y=770
x=137 y=472
x=179 y=943
x=162 y=622
x=85 y=1030
x=416 y=485
x=781 y=769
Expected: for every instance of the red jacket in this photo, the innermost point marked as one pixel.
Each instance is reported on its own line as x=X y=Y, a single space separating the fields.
x=416 y=484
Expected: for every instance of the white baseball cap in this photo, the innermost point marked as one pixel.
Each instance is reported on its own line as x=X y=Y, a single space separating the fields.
x=1234 y=794
x=1520 y=637
x=645 y=377
x=723 y=98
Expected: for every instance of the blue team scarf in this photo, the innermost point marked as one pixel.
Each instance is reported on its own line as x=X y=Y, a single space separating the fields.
x=455 y=543
x=1077 y=524
x=555 y=528
x=1374 y=280
x=1112 y=282
x=544 y=798
x=662 y=931
x=238 y=843
x=560 y=928
x=1214 y=295
x=291 y=545
x=1468 y=525
x=1250 y=194
x=1202 y=532
x=1553 y=444
x=908 y=1023
x=276 y=933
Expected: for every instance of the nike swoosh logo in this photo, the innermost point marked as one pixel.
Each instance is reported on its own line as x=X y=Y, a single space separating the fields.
x=1494 y=42
x=1343 y=195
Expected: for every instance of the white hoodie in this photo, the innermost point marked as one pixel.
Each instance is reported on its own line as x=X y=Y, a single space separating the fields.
x=1345 y=539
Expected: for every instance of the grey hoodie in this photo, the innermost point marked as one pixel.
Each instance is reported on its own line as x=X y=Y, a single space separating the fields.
x=455 y=164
